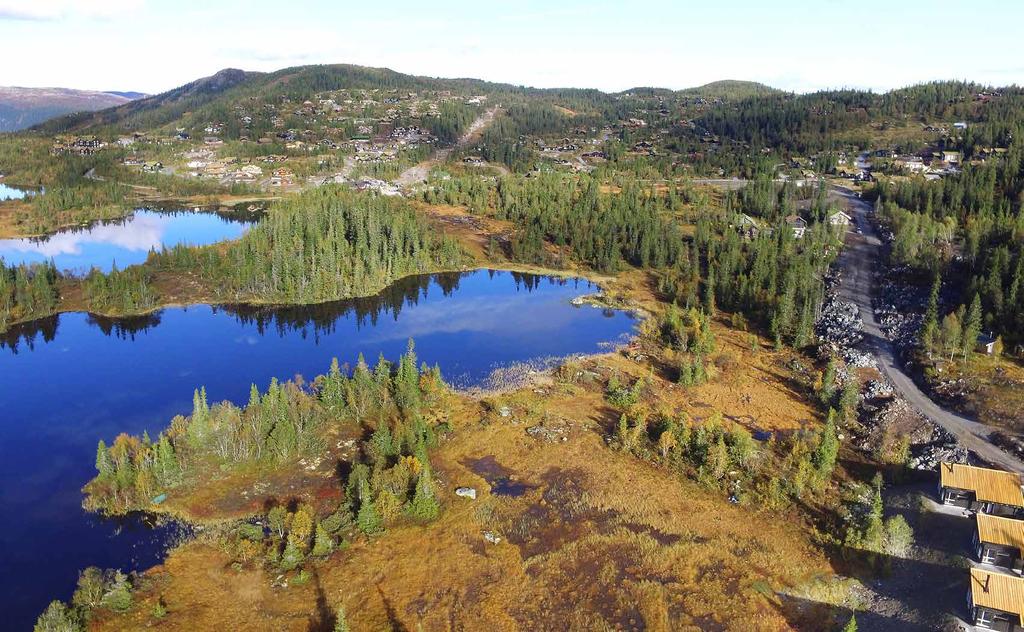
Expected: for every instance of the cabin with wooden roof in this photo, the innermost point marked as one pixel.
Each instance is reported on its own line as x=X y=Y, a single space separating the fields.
x=798 y=225
x=981 y=489
x=996 y=601
x=999 y=541
x=749 y=227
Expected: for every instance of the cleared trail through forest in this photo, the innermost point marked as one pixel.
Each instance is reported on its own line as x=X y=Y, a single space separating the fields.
x=418 y=173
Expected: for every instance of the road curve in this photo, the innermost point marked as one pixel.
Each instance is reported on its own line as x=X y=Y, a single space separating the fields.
x=863 y=251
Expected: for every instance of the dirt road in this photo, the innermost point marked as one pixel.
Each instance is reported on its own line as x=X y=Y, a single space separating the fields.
x=419 y=172
x=861 y=254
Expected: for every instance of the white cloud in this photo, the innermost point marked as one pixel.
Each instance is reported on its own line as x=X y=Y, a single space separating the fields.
x=140 y=235
x=53 y=10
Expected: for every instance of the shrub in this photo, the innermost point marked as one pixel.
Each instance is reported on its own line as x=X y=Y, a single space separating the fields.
x=252 y=532
x=57 y=618
x=90 y=589
x=620 y=396
x=159 y=610
x=899 y=537
x=119 y=595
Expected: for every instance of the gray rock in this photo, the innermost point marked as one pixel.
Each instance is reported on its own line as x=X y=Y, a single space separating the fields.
x=466 y=492
x=549 y=431
x=876 y=389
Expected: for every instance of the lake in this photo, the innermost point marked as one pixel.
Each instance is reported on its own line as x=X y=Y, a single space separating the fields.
x=126 y=241
x=70 y=380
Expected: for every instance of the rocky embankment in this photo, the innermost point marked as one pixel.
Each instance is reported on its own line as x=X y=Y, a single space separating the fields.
x=900 y=304
x=885 y=419
x=899 y=307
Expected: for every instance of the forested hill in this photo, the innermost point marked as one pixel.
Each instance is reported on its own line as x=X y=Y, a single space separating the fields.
x=749 y=113
x=231 y=86
x=808 y=122
x=730 y=89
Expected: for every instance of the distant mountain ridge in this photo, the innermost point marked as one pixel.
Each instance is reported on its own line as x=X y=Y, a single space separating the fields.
x=128 y=95
x=723 y=89
x=231 y=85
x=155 y=110
x=21 y=108
x=213 y=98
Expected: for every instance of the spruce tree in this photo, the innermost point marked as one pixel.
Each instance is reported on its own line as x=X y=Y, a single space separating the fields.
x=103 y=464
x=341 y=621
x=972 y=327
x=709 y=293
x=930 y=325
x=58 y=618
x=167 y=466
x=424 y=504
x=848 y=398
x=827 y=450
x=851 y=625
x=718 y=458
x=323 y=543
x=828 y=383
x=368 y=519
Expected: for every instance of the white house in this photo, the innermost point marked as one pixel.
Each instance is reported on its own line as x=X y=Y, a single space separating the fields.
x=839 y=218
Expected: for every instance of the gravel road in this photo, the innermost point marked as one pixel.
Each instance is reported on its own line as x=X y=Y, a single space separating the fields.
x=861 y=254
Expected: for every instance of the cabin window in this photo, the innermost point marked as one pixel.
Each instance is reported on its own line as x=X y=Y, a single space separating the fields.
x=988 y=556
x=983 y=618
x=953 y=495
x=991 y=555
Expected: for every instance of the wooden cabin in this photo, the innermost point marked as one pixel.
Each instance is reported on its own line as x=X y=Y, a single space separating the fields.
x=981 y=489
x=999 y=541
x=995 y=601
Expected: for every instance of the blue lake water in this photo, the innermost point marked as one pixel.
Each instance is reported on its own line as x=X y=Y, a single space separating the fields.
x=125 y=241
x=68 y=381
x=8 y=192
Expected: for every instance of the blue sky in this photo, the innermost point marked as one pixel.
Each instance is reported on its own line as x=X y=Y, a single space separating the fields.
x=796 y=45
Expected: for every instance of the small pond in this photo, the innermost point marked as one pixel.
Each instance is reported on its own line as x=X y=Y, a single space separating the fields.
x=11 y=192
x=126 y=241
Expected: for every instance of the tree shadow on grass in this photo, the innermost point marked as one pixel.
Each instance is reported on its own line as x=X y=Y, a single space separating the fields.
x=389 y=608
x=323 y=618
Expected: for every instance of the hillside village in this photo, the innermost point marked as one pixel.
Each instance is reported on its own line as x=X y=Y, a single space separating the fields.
x=366 y=138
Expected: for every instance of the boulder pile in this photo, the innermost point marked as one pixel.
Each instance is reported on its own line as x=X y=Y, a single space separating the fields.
x=945 y=448
x=840 y=323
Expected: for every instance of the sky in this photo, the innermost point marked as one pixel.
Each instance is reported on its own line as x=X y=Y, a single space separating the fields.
x=152 y=46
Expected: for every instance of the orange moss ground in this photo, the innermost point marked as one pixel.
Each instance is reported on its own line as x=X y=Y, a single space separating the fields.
x=597 y=540
x=9 y=212
x=472 y=231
